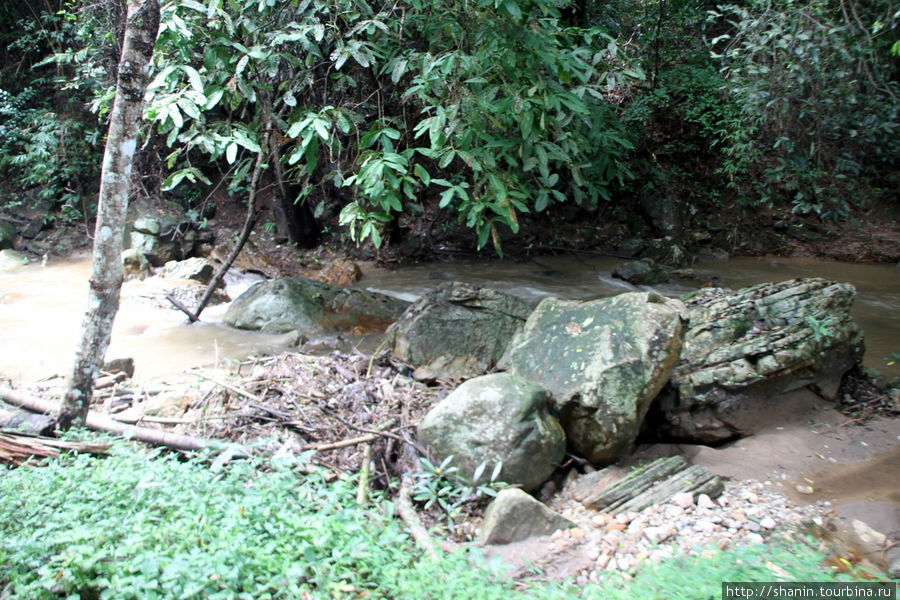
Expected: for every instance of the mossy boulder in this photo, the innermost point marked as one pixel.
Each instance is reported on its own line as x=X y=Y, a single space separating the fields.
x=458 y=330
x=603 y=361
x=745 y=349
x=297 y=303
x=493 y=419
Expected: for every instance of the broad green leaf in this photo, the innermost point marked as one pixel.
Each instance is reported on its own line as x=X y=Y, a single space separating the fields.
x=194 y=78
x=231 y=153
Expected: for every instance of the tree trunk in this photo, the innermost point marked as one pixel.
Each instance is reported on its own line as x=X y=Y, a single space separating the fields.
x=141 y=28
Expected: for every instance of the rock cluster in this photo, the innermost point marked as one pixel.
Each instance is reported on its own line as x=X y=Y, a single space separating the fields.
x=747 y=512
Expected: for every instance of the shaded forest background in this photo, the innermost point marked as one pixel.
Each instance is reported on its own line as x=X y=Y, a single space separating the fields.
x=419 y=123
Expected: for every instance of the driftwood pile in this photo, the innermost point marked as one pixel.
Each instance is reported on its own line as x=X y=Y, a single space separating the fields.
x=357 y=413
x=343 y=407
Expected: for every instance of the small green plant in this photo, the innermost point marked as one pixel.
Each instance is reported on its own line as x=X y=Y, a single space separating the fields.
x=444 y=486
x=820 y=330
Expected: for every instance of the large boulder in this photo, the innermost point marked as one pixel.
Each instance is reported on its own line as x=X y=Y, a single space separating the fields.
x=458 y=330
x=493 y=419
x=297 y=303
x=744 y=349
x=604 y=361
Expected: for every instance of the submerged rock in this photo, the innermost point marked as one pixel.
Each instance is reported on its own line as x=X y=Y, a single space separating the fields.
x=10 y=260
x=744 y=348
x=458 y=330
x=135 y=264
x=641 y=272
x=603 y=361
x=514 y=516
x=340 y=272
x=7 y=236
x=495 y=419
x=297 y=303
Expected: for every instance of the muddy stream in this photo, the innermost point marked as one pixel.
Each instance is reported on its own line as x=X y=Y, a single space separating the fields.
x=41 y=308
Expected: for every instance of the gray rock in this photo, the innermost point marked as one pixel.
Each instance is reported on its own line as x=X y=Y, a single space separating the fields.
x=10 y=260
x=666 y=251
x=641 y=272
x=135 y=264
x=195 y=269
x=744 y=349
x=7 y=235
x=492 y=419
x=161 y=233
x=893 y=561
x=603 y=362
x=514 y=516
x=656 y=535
x=458 y=330
x=296 y=303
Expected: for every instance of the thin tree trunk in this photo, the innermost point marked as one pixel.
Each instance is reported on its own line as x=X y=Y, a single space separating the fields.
x=141 y=28
x=249 y=222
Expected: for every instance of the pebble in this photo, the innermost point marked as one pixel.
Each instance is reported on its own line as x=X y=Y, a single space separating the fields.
x=704 y=501
x=683 y=499
x=655 y=535
x=745 y=513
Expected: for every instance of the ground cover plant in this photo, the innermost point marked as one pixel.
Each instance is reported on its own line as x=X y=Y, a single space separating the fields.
x=137 y=524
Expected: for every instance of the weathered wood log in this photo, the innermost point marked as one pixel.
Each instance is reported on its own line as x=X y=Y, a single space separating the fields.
x=695 y=480
x=18 y=448
x=103 y=423
x=25 y=422
x=636 y=483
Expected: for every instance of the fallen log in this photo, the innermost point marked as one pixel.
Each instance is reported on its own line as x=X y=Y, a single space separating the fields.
x=26 y=422
x=18 y=448
x=103 y=423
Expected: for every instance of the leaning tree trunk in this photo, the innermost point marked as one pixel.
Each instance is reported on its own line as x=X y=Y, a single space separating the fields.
x=141 y=28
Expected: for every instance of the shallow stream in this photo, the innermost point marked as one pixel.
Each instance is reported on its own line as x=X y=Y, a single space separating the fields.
x=41 y=308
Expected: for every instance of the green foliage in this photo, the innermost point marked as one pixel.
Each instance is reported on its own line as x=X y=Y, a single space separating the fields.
x=444 y=487
x=818 y=116
x=41 y=149
x=149 y=525
x=496 y=108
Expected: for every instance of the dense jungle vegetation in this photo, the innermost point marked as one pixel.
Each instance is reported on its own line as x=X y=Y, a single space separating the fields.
x=482 y=113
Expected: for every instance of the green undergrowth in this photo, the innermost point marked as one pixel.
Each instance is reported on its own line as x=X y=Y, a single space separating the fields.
x=148 y=525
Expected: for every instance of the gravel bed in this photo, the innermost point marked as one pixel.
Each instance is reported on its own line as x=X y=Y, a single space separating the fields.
x=746 y=513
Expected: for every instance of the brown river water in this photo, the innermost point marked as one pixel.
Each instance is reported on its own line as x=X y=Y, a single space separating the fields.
x=41 y=308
